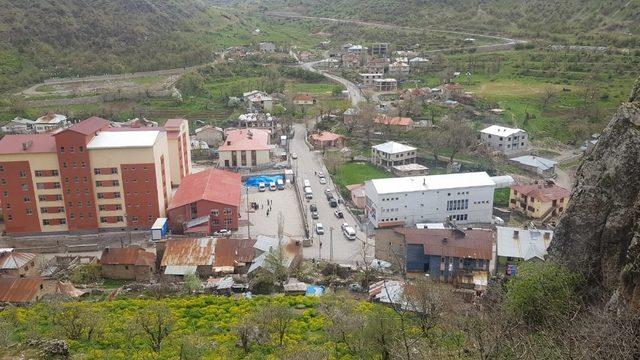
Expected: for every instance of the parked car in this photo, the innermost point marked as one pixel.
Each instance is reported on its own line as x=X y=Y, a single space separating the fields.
x=328 y=194
x=294 y=156
x=327 y=191
x=272 y=186
x=308 y=193
x=262 y=187
x=349 y=233
x=320 y=174
x=306 y=183
x=313 y=207
x=319 y=229
x=338 y=214
x=280 y=184
x=333 y=203
x=323 y=180
x=344 y=225
x=222 y=232
x=314 y=215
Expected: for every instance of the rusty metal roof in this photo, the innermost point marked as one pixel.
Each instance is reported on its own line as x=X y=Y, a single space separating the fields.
x=19 y=290
x=15 y=260
x=230 y=252
x=127 y=256
x=473 y=243
x=189 y=252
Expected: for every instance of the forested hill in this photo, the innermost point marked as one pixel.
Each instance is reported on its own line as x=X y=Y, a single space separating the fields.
x=593 y=22
x=44 y=38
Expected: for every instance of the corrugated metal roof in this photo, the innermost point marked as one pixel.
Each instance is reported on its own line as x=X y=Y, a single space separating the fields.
x=19 y=290
x=189 y=252
x=127 y=256
x=230 y=252
x=180 y=270
x=15 y=260
x=522 y=243
x=473 y=244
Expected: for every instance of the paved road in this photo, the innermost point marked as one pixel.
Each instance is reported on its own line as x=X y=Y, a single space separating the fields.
x=355 y=94
x=502 y=41
x=344 y=251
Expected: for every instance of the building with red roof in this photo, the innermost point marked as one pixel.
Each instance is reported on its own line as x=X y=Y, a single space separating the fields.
x=91 y=176
x=540 y=200
x=327 y=139
x=404 y=122
x=304 y=99
x=246 y=148
x=206 y=202
x=132 y=263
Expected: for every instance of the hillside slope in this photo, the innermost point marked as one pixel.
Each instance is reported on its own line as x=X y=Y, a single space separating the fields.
x=598 y=22
x=45 y=38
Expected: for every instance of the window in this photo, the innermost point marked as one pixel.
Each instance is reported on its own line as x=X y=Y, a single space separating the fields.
x=96 y=171
x=114 y=170
x=98 y=183
x=39 y=173
x=63 y=221
x=215 y=222
x=75 y=164
x=9 y=217
x=215 y=212
x=100 y=195
x=40 y=197
x=85 y=179
x=72 y=149
x=46 y=222
x=7 y=205
x=118 y=207
x=64 y=164
x=134 y=219
x=119 y=219
x=72 y=216
x=29 y=212
x=26 y=199
x=116 y=195
x=1 y=168
x=228 y=221
x=3 y=181
x=24 y=187
x=43 y=210
x=227 y=211
x=81 y=149
x=22 y=174
x=103 y=219
x=62 y=149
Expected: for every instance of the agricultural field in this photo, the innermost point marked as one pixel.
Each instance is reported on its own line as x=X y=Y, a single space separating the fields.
x=356 y=173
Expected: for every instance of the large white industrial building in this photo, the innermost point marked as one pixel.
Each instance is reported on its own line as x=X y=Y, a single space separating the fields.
x=464 y=198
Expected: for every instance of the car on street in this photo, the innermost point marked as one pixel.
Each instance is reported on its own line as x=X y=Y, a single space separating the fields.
x=222 y=232
x=349 y=233
x=272 y=186
x=308 y=193
x=329 y=195
x=333 y=203
x=344 y=225
x=338 y=214
x=323 y=180
x=313 y=207
x=319 y=229
x=280 y=184
x=306 y=183
x=294 y=156
x=327 y=191
x=314 y=215
x=320 y=174
x=262 y=187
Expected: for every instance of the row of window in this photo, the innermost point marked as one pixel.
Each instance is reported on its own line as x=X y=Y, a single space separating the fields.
x=74 y=164
x=460 y=204
x=52 y=185
x=390 y=199
x=226 y=222
x=216 y=212
x=115 y=207
x=47 y=173
x=458 y=217
x=388 y=219
x=45 y=210
x=54 y=221
x=116 y=195
x=105 y=171
x=71 y=149
x=108 y=183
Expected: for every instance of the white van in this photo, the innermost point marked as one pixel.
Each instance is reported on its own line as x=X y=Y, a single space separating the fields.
x=349 y=232
x=308 y=193
x=307 y=183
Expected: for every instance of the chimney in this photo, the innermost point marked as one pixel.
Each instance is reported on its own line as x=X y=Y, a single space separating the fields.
x=516 y=234
x=27 y=144
x=228 y=143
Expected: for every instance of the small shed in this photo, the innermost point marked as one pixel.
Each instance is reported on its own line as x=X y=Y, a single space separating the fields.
x=159 y=229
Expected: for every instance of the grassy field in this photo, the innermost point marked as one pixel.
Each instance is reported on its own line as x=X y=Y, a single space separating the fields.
x=357 y=173
x=313 y=88
x=501 y=197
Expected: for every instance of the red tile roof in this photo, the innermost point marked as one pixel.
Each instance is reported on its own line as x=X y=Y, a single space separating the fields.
x=39 y=143
x=325 y=136
x=88 y=126
x=19 y=290
x=394 y=121
x=303 y=97
x=246 y=139
x=174 y=124
x=475 y=243
x=210 y=185
x=127 y=256
x=542 y=192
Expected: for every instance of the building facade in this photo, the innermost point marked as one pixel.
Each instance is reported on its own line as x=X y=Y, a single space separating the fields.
x=180 y=149
x=464 y=198
x=85 y=178
x=246 y=148
x=505 y=140
x=539 y=201
x=369 y=78
x=385 y=84
x=392 y=153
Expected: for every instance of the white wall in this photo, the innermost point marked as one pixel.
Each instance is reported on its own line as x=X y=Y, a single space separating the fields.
x=507 y=144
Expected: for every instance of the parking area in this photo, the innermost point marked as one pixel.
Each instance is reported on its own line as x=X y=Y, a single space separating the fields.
x=260 y=223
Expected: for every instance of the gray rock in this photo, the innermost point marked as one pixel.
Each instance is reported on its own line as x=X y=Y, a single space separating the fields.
x=598 y=234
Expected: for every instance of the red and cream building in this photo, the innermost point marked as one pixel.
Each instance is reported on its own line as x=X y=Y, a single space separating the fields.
x=180 y=149
x=85 y=178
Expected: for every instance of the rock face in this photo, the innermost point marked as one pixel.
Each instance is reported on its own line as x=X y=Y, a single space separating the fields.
x=598 y=235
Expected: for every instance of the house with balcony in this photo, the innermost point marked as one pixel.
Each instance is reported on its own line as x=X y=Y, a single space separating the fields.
x=392 y=153
x=505 y=140
x=541 y=200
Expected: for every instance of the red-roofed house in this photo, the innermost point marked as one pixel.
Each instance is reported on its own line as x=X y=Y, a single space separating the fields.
x=304 y=99
x=326 y=139
x=206 y=202
x=132 y=263
x=246 y=148
x=539 y=201
x=403 y=122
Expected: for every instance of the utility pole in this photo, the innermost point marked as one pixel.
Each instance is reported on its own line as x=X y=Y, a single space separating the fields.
x=248 y=223
x=331 y=244
x=319 y=248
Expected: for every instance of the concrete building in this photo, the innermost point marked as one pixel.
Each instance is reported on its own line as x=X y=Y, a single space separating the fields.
x=535 y=164
x=392 y=153
x=326 y=139
x=258 y=101
x=410 y=170
x=356 y=49
x=368 y=78
x=206 y=202
x=379 y=49
x=87 y=177
x=460 y=257
x=465 y=198
x=19 y=264
x=132 y=263
x=515 y=245
x=357 y=195
x=211 y=135
x=18 y=126
x=304 y=99
x=179 y=149
x=49 y=122
x=246 y=148
x=268 y=47
x=399 y=68
x=539 y=201
x=505 y=140
x=385 y=84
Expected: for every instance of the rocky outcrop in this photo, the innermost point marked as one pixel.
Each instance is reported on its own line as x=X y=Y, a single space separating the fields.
x=598 y=235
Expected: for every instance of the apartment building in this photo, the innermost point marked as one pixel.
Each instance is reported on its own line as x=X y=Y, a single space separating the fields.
x=464 y=198
x=85 y=178
x=505 y=140
x=392 y=153
x=180 y=149
x=246 y=148
x=539 y=201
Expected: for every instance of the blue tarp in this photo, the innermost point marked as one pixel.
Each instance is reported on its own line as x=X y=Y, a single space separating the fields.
x=255 y=180
x=314 y=290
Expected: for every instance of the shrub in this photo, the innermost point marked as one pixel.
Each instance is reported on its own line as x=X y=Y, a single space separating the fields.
x=85 y=274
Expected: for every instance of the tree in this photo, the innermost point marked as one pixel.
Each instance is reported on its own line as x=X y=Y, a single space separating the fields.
x=380 y=329
x=428 y=302
x=542 y=294
x=193 y=347
x=344 y=321
x=365 y=121
x=276 y=318
x=154 y=324
x=333 y=160
x=191 y=83
x=548 y=97
x=247 y=332
x=75 y=321
x=457 y=135
x=192 y=283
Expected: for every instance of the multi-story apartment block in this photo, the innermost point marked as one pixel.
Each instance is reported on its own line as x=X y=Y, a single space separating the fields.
x=505 y=140
x=180 y=149
x=85 y=178
x=392 y=153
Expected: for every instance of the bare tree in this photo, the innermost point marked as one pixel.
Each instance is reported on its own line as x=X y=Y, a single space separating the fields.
x=277 y=318
x=154 y=324
x=333 y=160
x=76 y=321
x=344 y=321
x=457 y=136
x=428 y=302
x=365 y=121
x=548 y=97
